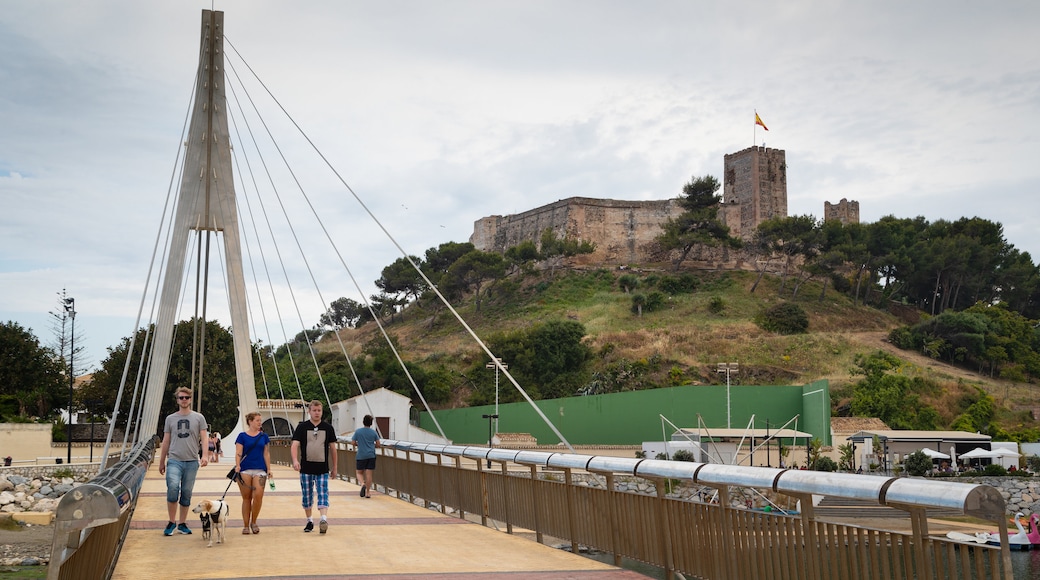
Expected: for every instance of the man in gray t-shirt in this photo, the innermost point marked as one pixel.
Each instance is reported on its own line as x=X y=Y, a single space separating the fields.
x=183 y=433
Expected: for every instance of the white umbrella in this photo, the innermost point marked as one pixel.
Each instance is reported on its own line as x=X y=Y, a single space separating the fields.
x=934 y=454
x=1002 y=452
x=978 y=453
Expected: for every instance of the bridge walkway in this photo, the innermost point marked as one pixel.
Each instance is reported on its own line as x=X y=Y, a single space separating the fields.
x=381 y=537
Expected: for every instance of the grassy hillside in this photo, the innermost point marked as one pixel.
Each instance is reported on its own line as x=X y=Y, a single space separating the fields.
x=682 y=342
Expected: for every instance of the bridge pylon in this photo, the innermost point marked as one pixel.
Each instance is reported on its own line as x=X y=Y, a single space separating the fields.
x=206 y=203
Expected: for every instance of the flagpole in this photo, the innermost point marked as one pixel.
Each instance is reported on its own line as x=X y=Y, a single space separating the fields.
x=754 y=130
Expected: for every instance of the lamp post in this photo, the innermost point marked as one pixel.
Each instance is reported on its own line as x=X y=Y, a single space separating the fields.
x=491 y=435
x=70 y=308
x=727 y=368
x=92 y=406
x=496 y=364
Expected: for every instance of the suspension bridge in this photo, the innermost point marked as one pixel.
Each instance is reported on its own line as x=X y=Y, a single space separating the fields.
x=441 y=510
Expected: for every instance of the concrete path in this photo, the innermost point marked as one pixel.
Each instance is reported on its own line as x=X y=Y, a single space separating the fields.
x=381 y=537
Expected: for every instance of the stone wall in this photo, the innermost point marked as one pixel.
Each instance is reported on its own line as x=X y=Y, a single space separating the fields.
x=623 y=231
x=1022 y=494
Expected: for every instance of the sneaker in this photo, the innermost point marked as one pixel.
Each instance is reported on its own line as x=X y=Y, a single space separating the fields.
x=183 y=528
x=308 y=527
x=363 y=490
x=169 y=529
x=323 y=526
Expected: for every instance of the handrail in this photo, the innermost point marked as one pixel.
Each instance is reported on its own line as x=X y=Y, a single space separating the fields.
x=976 y=500
x=100 y=504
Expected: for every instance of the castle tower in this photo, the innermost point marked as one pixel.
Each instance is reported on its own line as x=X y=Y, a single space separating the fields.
x=754 y=189
x=845 y=211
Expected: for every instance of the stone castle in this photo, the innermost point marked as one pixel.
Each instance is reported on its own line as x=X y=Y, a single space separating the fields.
x=624 y=232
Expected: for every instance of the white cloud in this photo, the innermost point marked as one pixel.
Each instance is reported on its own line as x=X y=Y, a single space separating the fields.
x=438 y=114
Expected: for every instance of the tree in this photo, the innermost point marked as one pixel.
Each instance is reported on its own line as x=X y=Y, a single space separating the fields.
x=474 y=271
x=553 y=249
x=29 y=373
x=439 y=259
x=219 y=394
x=699 y=224
x=344 y=313
x=401 y=279
x=848 y=456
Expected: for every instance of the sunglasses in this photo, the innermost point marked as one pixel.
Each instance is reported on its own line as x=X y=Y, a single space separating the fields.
x=183 y=398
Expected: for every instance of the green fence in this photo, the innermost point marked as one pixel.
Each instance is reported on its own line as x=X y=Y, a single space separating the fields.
x=633 y=417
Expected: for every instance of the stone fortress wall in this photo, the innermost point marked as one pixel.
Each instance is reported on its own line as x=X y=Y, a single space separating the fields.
x=624 y=232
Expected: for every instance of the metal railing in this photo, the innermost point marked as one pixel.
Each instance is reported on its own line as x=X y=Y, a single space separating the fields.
x=91 y=520
x=705 y=540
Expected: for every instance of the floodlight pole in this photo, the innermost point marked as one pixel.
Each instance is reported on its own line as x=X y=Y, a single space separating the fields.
x=727 y=368
x=70 y=307
x=496 y=364
x=491 y=435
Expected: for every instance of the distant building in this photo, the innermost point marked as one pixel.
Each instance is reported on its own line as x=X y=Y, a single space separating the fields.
x=845 y=211
x=754 y=189
x=390 y=412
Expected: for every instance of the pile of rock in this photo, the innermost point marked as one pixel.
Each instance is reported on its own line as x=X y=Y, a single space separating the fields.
x=21 y=494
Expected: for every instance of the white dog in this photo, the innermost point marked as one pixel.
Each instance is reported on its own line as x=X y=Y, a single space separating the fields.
x=214 y=515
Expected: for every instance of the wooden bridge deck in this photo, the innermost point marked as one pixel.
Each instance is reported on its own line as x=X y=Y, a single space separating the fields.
x=381 y=537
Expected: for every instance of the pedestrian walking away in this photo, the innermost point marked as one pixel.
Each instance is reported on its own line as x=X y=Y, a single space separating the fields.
x=366 y=439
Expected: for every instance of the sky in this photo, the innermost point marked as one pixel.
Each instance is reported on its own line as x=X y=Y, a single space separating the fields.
x=437 y=114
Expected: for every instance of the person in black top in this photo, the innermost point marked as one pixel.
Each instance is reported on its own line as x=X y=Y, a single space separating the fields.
x=314 y=456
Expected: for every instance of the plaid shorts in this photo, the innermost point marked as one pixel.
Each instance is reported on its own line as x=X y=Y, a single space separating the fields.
x=308 y=483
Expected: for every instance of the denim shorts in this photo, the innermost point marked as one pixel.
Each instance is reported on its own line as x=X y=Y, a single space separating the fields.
x=180 y=479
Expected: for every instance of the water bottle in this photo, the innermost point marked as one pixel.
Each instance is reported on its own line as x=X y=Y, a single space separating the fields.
x=271 y=483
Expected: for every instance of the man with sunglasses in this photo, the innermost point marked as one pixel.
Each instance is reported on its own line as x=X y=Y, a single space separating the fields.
x=183 y=433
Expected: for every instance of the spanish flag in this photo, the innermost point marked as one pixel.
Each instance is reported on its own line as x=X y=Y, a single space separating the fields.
x=758 y=121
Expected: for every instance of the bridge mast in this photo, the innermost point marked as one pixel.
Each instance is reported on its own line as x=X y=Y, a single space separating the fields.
x=206 y=203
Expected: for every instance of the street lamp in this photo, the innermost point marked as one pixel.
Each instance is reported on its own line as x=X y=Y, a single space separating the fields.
x=727 y=368
x=491 y=419
x=70 y=308
x=495 y=366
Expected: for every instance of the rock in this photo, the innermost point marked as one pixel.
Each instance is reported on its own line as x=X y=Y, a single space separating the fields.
x=10 y=508
x=17 y=480
x=45 y=505
x=63 y=488
x=5 y=484
x=46 y=490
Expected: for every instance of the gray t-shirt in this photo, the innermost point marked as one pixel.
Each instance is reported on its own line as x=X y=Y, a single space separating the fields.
x=185 y=431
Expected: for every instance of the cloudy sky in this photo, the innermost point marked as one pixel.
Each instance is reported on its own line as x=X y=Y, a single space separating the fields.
x=439 y=113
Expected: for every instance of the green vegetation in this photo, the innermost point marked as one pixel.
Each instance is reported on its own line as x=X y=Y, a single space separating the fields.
x=917 y=463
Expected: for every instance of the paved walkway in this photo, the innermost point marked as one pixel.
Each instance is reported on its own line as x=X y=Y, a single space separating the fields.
x=381 y=537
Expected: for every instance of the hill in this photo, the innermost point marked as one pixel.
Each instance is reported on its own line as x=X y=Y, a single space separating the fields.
x=711 y=320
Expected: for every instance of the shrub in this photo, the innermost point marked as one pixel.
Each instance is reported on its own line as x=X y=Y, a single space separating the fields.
x=994 y=469
x=683 y=284
x=785 y=318
x=824 y=463
x=917 y=463
x=716 y=305
x=683 y=455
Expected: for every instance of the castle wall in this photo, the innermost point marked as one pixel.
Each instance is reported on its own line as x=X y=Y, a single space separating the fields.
x=623 y=231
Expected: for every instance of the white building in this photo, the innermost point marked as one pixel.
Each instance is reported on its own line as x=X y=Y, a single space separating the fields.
x=391 y=412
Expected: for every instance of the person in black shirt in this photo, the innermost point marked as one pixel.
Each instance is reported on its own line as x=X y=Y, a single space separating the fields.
x=314 y=456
